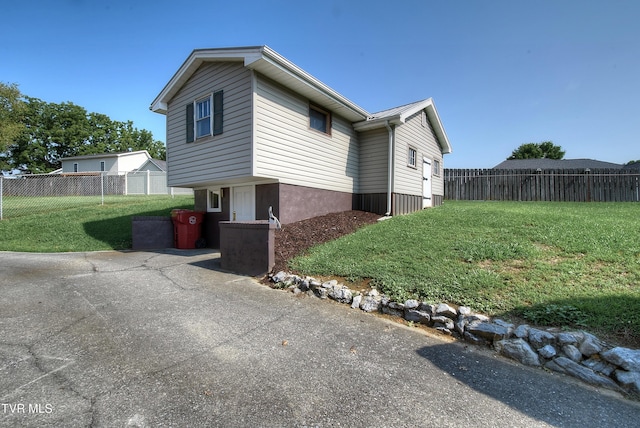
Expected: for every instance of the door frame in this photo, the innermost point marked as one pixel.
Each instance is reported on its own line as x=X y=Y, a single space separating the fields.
x=234 y=207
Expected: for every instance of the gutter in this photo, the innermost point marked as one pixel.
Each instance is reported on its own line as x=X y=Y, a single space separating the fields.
x=389 y=168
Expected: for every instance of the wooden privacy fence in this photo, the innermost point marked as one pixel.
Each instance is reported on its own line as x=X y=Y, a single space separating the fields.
x=570 y=185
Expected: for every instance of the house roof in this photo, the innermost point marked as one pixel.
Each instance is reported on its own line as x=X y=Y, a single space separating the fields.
x=399 y=115
x=556 y=164
x=162 y=165
x=107 y=155
x=273 y=65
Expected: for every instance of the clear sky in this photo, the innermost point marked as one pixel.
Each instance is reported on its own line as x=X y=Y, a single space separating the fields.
x=501 y=72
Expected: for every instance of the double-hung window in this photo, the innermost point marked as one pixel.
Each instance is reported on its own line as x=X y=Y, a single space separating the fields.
x=411 y=159
x=204 y=117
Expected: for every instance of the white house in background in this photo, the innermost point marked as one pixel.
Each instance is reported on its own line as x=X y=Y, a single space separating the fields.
x=111 y=163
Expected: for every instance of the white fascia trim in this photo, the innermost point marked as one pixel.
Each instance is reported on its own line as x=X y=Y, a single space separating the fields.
x=191 y=64
x=366 y=125
x=428 y=105
x=434 y=117
x=251 y=57
x=290 y=68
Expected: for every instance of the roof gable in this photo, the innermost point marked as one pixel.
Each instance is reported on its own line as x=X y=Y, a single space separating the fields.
x=269 y=63
x=399 y=115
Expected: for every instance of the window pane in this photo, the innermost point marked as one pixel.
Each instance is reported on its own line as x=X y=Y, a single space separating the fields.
x=412 y=157
x=317 y=120
x=203 y=118
x=214 y=200
x=203 y=127
x=204 y=109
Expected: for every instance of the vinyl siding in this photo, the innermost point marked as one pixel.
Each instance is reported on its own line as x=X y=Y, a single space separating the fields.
x=374 y=151
x=408 y=180
x=112 y=164
x=287 y=150
x=221 y=157
x=128 y=162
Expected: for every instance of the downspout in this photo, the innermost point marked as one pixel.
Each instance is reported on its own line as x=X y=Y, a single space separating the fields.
x=389 y=168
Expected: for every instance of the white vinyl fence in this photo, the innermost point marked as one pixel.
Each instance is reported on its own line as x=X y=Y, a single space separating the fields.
x=151 y=183
x=38 y=193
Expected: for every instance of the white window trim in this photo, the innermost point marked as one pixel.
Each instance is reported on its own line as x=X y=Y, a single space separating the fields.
x=219 y=193
x=195 y=117
x=415 y=157
x=436 y=166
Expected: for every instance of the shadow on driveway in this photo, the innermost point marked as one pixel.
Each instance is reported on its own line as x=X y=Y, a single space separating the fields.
x=547 y=397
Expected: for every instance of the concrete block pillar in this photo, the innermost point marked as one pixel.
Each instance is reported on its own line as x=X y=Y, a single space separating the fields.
x=247 y=247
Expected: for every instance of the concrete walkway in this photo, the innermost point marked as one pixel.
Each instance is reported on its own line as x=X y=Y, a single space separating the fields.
x=116 y=339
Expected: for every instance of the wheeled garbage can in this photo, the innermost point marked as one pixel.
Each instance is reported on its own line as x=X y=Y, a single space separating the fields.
x=187 y=228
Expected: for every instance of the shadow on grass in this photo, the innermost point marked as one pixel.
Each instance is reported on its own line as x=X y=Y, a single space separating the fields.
x=116 y=232
x=616 y=318
x=550 y=398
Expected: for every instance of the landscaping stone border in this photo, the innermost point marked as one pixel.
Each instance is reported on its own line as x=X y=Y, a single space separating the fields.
x=576 y=353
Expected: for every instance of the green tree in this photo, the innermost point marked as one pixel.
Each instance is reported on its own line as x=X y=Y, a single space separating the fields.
x=12 y=108
x=54 y=131
x=546 y=149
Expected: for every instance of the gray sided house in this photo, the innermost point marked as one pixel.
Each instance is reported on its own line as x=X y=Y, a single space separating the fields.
x=248 y=130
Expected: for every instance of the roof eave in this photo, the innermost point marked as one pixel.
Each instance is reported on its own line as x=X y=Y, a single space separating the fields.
x=191 y=64
x=401 y=117
x=268 y=62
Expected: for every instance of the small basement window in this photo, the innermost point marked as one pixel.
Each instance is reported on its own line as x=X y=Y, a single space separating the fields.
x=411 y=159
x=319 y=119
x=214 y=201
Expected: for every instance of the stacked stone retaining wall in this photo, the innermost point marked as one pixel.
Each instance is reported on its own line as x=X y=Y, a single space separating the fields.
x=575 y=353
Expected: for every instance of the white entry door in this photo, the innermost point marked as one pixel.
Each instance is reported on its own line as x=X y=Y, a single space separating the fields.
x=243 y=203
x=426 y=183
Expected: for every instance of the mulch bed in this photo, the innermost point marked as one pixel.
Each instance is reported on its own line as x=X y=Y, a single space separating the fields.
x=295 y=238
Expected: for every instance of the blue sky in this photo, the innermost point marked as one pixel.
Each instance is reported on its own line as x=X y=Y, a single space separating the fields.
x=502 y=73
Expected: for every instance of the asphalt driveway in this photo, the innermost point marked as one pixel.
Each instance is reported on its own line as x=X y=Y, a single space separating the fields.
x=116 y=339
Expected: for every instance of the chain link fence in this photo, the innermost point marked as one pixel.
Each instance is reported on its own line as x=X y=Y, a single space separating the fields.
x=30 y=194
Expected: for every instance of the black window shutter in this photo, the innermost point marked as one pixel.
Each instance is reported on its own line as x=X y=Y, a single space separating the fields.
x=217 y=113
x=190 y=128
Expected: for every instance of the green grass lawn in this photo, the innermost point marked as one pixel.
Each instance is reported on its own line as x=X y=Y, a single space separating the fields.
x=80 y=224
x=564 y=264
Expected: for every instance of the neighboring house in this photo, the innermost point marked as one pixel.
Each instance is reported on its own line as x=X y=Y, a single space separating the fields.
x=248 y=130
x=111 y=163
x=154 y=165
x=556 y=164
